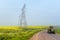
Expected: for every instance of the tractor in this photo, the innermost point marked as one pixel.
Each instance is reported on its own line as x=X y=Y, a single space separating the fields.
x=51 y=30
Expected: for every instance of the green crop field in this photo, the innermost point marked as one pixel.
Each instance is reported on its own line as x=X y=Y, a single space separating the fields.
x=18 y=33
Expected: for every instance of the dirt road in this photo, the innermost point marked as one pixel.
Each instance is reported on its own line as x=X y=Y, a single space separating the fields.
x=45 y=36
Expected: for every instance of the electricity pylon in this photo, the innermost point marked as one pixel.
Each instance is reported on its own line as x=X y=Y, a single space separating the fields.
x=23 y=18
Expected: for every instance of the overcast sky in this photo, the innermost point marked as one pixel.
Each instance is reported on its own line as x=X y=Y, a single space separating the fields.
x=38 y=12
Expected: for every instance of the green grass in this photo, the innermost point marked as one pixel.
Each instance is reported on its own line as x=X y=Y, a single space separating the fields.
x=58 y=30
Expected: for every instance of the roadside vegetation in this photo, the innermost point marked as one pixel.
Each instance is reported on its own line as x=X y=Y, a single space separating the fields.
x=58 y=30
x=18 y=33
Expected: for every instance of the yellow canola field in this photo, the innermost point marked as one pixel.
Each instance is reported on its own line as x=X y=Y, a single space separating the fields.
x=18 y=27
x=9 y=27
x=37 y=26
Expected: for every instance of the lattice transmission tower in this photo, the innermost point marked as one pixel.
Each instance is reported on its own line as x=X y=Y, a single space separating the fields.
x=23 y=17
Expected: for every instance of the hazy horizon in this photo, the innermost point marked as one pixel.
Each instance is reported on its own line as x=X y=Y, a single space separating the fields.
x=38 y=12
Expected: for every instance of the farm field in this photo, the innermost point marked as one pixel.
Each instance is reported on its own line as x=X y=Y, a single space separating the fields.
x=58 y=30
x=19 y=33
